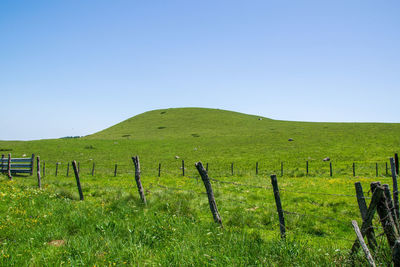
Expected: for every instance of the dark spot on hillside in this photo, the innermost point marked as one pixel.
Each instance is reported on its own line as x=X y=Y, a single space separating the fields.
x=89 y=147
x=5 y=149
x=126 y=135
x=163 y=112
x=161 y=127
x=195 y=135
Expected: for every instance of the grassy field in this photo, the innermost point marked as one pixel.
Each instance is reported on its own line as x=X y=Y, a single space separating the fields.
x=112 y=227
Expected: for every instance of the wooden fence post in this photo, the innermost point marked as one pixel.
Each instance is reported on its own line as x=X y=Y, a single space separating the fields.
x=32 y=163
x=363 y=210
x=68 y=169
x=44 y=168
x=159 y=169
x=57 y=167
x=282 y=227
x=94 y=164
x=210 y=193
x=115 y=169
x=367 y=223
x=137 y=178
x=354 y=169
x=396 y=160
x=38 y=172
x=386 y=217
x=9 y=166
x=232 y=168
x=330 y=169
x=207 y=167
x=257 y=168
x=395 y=188
x=78 y=181
x=389 y=201
x=183 y=168
x=307 y=167
x=363 y=245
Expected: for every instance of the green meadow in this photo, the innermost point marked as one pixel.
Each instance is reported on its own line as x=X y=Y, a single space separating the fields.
x=112 y=227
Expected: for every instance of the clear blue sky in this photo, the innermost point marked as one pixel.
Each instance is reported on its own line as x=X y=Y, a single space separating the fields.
x=76 y=67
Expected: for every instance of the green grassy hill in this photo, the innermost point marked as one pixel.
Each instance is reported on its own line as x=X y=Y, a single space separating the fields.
x=176 y=227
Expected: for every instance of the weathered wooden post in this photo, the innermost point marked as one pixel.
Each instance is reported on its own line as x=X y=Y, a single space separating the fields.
x=94 y=165
x=364 y=210
x=367 y=223
x=207 y=167
x=38 y=172
x=232 y=168
x=183 y=168
x=396 y=160
x=363 y=245
x=78 y=181
x=32 y=163
x=257 y=168
x=389 y=202
x=307 y=167
x=57 y=167
x=395 y=188
x=44 y=168
x=330 y=169
x=210 y=193
x=68 y=169
x=385 y=217
x=115 y=169
x=159 y=169
x=282 y=227
x=354 y=169
x=9 y=167
x=137 y=178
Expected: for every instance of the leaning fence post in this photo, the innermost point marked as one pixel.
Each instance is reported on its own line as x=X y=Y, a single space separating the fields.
x=78 y=181
x=183 y=168
x=330 y=169
x=364 y=210
x=367 y=223
x=363 y=245
x=9 y=167
x=38 y=172
x=396 y=160
x=390 y=204
x=354 y=169
x=386 y=217
x=210 y=193
x=282 y=228
x=395 y=188
x=159 y=169
x=137 y=178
